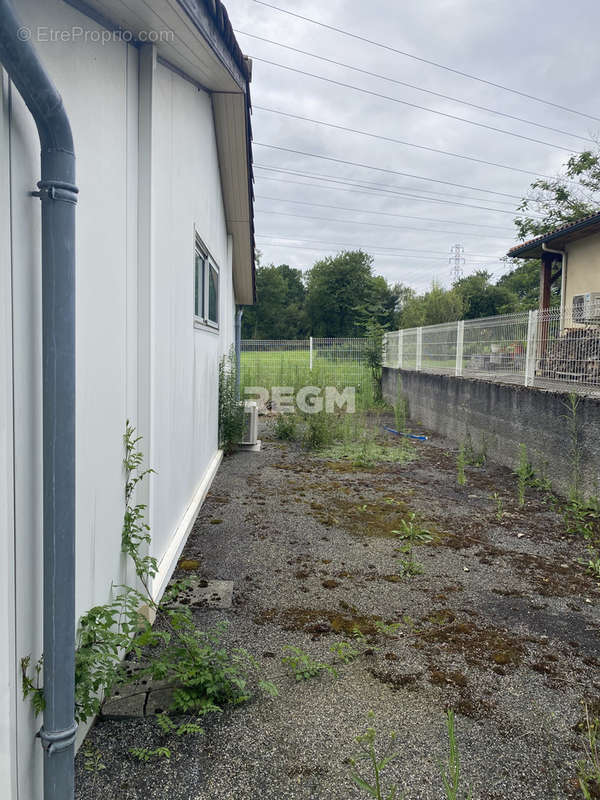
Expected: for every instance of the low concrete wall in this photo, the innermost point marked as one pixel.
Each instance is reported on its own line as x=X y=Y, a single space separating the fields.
x=498 y=417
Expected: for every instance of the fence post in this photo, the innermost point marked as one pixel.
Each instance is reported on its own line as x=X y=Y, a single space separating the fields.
x=460 y=337
x=400 y=346
x=419 y=349
x=531 y=351
x=311 y=353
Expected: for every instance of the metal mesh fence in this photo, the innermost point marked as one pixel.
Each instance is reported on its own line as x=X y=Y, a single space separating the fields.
x=549 y=349
x=339 y=362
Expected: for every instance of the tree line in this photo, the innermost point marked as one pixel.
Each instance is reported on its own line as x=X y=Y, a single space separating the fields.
x=340 y=296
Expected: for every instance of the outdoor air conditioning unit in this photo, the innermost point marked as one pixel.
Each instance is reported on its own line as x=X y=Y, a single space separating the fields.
x=250 y=439
x=586 y=307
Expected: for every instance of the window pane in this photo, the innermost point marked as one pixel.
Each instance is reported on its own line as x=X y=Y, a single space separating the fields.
x=199 y=286
x=213 y=294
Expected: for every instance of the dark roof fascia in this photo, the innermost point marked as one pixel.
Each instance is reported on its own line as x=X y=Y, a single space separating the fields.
x=211 y=19
x=525 y=250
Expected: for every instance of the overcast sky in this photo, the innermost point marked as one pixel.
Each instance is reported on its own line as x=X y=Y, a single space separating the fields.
x=540 y=47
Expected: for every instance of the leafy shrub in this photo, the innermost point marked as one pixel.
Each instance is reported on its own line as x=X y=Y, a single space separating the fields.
x=286 y=427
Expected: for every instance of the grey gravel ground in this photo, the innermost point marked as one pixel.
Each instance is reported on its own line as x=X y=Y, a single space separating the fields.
x=502 y=626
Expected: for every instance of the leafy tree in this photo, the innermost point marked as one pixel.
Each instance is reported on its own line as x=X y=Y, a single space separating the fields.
x=524 y=282
x=482 y=298
x=570 y=195
x=343 y=295
x=279 y=311
x=434 y=306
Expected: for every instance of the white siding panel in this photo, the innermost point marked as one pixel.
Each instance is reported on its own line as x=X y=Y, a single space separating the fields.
x=185 y=358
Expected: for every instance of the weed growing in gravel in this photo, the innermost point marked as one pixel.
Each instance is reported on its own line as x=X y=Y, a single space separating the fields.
x=286 y=427
x=93 y=764
x=524 y=474
x=373 y=783
x=388 y=630
x=460 y=466
x=344 y=652
x=145 y=754
x=451 y=774
x=319 y=431
x=499 y=507
x=373 y=786
x=411 y=533
x=588 y=769
x=302 y=666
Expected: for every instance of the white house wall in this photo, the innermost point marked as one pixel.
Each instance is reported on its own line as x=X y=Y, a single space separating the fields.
x=100 y=87
x=187 y=199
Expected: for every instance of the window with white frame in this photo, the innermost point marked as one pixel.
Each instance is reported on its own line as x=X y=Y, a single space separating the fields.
x=206 y=287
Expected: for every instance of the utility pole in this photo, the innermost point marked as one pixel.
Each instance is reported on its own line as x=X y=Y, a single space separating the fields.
x=457 y=261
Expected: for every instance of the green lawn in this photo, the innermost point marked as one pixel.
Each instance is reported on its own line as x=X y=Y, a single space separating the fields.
x=291 y=368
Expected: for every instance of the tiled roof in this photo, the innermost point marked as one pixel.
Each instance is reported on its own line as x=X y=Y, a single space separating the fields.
x=563 y=230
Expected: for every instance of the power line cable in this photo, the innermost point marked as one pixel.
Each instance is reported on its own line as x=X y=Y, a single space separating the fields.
x=366 y=211
x=372 y=247
x=402 y=141
x=391 y=190
x=375 y=193
x=424 y=108
x=370 y=224
x=407 y=85
x=428 y=61
x=323 y=249
x=384 y=169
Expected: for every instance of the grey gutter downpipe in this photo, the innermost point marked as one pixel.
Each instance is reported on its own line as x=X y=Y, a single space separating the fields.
x=238 y=348
x=58 y=194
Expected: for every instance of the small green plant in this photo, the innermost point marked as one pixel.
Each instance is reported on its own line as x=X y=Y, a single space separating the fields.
x=145 y=754
x=319 y=432
x=302 y=666
x=499 y=505
x=460 y=466
x=32 y=686
x=286 y=427
x=593 y=563
x=388 y=630
x=231 y=410
x=582 y=518
x=476 y=458
x=451 y=774
x=524 y=474
x=205 y=674
x=93 y=763
x=344 y=652
x=373 y=784
x=358 y=635
x=411 y=533
x=588 y=768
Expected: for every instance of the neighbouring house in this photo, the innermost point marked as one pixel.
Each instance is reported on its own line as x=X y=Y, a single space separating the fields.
x=570 y=254
x=157 y=94
x=568 y=345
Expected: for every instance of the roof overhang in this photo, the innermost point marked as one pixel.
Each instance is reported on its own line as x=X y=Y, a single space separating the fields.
x=557 y=239
x=195 y=38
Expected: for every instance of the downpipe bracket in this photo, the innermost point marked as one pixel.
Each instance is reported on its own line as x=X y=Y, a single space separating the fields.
x=57 y=190
x=55 y=741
